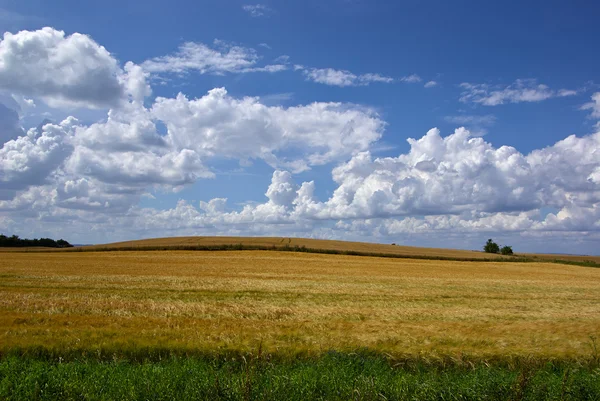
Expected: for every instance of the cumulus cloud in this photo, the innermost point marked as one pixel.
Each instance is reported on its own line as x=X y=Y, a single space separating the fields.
x=460 y=173
x=430 y=84
x=135 y=82
x=222 y=58
x=453 y=184
x=127 y=149
x=62 y=70
x=450 y=190
x=218 y=124
x=30 y=159
x=140 y=168
x=332 y=77
x=522 y=90
x=106 y=167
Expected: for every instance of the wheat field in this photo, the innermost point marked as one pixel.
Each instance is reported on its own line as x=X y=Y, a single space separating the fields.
x=296 y=303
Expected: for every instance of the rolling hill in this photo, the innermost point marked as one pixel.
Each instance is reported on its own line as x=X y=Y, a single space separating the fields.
x=327 y=245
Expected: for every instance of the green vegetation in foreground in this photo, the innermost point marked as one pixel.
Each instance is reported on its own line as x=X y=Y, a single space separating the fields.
x=332 y=376
x=296 y=248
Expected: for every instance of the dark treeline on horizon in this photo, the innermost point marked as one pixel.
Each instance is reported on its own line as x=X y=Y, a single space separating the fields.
x=15 y=241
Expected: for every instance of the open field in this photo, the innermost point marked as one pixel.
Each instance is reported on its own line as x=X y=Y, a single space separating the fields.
x=296 y=303
x=268 y=325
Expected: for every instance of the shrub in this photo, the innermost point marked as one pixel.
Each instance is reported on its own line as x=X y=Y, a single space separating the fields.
x=506 y=250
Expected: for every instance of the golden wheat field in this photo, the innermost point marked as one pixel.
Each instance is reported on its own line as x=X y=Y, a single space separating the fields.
x=295 y=303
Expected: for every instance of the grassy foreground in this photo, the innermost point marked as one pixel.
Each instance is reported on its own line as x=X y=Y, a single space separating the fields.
x=332 y=376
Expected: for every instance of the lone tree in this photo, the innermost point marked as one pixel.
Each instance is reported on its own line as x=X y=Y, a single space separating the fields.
x=491 y=247
x=506 y=250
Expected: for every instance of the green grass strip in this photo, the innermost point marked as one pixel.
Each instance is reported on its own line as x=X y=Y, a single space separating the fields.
x=333 y=376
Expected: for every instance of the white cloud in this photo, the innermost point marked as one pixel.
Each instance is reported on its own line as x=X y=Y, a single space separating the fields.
x=135 y=82
x=460 y=173
x=458 y=185
x=332 y=77
x=257 y=10
x=203 y=59
x=198 y=57
x=370 y=77
x=107 y=166
x=29 y=159
x=594 y=105
x=411 y=79
x=443 y=187
x=453 y=191
x=267 y=68
x=127 y=149
x=220 y=125
x=62 y=70
x=329 y=76
x=139 y=168
x=430 y=84
x=566 y=92
x=522 y=90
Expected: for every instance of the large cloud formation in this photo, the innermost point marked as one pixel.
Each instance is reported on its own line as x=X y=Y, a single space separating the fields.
x=66 y=169
x=455 y=176
x=218 y=124
x=90 y=178
x=126 y=150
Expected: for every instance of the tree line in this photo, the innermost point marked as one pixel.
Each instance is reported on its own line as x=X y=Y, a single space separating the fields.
x=15 y=241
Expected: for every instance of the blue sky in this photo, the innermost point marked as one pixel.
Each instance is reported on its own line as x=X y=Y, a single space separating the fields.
x=182 y=102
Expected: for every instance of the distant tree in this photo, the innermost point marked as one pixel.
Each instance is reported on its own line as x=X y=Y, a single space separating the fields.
x=491 y=247
x=15 y=241
x=506 y=250
x=61 y=243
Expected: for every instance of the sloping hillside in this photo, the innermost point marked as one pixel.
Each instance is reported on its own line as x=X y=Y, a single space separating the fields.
x=344 y=246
